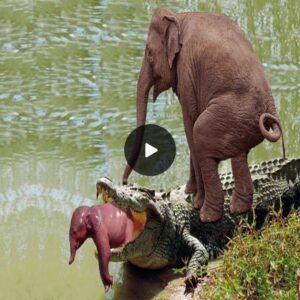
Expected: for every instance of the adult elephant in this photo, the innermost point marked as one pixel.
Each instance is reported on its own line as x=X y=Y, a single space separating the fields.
x=225 y=98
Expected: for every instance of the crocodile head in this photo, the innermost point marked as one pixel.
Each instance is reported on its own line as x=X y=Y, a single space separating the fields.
x=147 y=216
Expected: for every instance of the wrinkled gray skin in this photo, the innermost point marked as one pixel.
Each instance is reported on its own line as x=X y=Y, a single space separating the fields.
x=173 y=229
x=226 y=101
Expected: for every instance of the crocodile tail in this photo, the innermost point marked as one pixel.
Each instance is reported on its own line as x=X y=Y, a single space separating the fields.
x=276 y=132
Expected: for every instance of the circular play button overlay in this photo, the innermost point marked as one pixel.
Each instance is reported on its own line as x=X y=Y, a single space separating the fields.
x=150 y=150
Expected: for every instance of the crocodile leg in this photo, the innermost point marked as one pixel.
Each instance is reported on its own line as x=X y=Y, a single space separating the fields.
x=243 y=189
x=199 y=257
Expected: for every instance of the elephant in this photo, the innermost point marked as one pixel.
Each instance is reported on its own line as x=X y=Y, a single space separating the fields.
x=225 y=98
x=108 y=226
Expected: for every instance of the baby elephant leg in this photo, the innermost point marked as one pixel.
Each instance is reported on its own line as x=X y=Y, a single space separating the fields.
x=242 y=196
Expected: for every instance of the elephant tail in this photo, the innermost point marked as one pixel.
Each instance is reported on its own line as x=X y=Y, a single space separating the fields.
x=267 y=122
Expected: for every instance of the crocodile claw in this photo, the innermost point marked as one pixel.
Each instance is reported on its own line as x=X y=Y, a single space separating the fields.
x=191 y=282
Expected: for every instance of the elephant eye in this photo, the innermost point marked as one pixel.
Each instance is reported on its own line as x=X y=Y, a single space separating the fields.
x=148 y=51
x=150 y=58
x=149 y=55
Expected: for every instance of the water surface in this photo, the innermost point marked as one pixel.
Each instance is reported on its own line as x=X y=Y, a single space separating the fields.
x=68 y=72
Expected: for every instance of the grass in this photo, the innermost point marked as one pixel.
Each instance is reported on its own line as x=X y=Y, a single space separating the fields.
x=261 y=264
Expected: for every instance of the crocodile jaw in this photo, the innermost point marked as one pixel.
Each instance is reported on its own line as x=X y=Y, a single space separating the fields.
x=106 y=189
x=139 y=221
x=105 y=195
x=147 y=227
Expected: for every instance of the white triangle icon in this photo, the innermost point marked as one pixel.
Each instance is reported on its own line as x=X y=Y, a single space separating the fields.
x=149 y=150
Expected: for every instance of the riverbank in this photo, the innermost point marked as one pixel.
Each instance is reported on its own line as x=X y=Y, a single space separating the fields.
x=261 y=264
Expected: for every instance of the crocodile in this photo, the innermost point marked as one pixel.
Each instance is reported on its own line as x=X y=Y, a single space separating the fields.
x=170 y=228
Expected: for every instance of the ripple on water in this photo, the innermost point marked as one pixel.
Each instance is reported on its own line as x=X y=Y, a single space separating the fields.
x=68 y=75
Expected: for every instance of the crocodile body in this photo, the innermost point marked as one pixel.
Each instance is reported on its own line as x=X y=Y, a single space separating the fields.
x=173 y=229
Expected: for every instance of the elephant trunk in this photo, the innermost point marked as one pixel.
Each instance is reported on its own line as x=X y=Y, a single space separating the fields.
x=144 y=85
x=72 y=253
x=75 y=244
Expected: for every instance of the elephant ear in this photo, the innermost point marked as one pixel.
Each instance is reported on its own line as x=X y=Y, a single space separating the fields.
x=173 y=38
x=93 y=221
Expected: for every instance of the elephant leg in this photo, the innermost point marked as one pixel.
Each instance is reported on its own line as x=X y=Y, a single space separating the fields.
x=213 y=207
x=191 y=186
x=200 y=193
x=242 y=196
x=101 y=241
x=188 y=127
x=214 y=140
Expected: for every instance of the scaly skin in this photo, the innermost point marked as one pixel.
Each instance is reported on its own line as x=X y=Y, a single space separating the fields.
x=173 y=229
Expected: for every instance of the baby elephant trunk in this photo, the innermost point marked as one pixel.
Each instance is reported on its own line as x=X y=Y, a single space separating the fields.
x=72 y=253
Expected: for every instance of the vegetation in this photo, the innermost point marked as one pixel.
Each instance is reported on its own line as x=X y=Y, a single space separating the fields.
x=264 y=264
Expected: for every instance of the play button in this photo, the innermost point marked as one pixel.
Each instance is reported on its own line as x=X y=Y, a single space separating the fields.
x=150 y=150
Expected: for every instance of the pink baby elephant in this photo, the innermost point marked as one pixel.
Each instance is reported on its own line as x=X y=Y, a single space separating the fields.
x=108 y=226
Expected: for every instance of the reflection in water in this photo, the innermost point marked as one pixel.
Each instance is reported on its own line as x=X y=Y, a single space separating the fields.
x=37 y=198
x=68 y=72
x=142 y=284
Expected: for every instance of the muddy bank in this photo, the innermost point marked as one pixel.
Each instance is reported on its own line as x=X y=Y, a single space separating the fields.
x=142 y=284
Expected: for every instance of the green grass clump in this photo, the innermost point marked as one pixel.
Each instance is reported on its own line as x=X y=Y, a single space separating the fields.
x=260 y=265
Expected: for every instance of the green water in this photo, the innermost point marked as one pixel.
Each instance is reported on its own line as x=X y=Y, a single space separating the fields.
x=68 y=72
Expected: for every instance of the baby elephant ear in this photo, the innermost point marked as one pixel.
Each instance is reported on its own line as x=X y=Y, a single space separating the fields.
x=173 y=38
x=93 y=221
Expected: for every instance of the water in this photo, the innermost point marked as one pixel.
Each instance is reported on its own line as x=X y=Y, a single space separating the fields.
x=68 y=72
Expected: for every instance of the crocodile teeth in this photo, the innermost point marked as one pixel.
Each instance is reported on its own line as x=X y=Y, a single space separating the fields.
x=105 y=196
x=99 y=191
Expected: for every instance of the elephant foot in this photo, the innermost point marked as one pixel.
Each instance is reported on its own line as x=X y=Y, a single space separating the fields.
x=108 y=281
x=191 y=187
x=198 y=201
x=209 y=214
x=240 y=203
